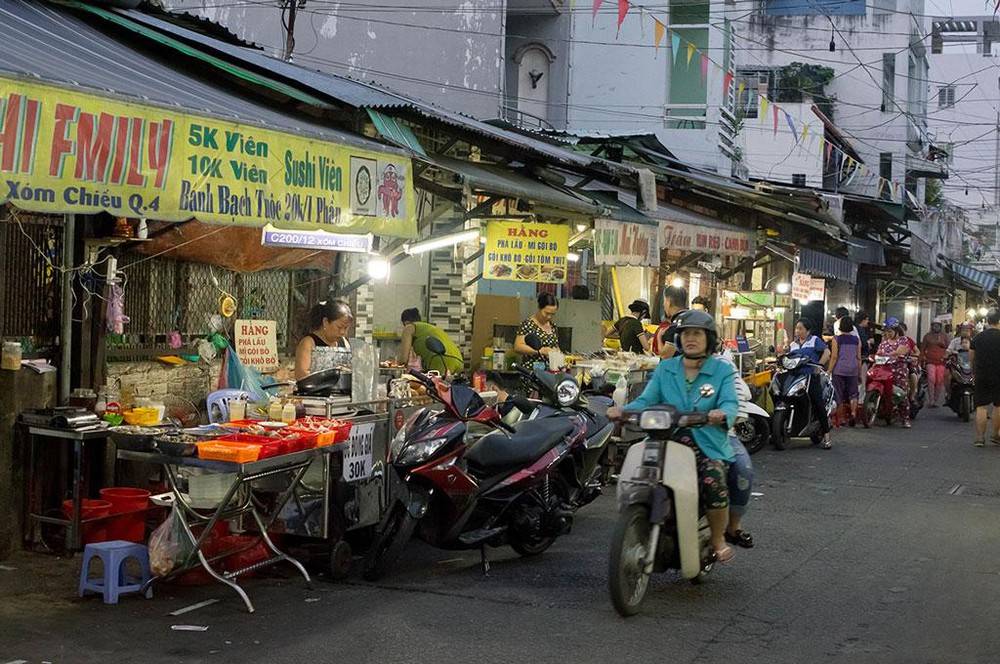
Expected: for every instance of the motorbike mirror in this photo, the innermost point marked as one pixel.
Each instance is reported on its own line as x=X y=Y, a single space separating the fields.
x=435 y=346
x=534 y=343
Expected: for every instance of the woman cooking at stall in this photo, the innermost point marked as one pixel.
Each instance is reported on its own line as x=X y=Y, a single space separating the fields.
x=413 y=350
x=541 y=325
x=329 y=324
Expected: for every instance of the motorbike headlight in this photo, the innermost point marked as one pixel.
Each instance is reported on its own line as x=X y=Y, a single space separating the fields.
x=419 y=451
x=791 y=362
x=655 y=420
x=399 y=440
x=567 y=392
x=797 y=388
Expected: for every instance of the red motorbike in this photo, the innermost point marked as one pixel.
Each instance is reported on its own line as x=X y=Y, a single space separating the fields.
x=882 y=395
x=518 y=485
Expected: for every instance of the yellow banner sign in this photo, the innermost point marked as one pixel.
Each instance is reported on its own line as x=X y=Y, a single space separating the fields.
x=518 y=251
x=67 y=152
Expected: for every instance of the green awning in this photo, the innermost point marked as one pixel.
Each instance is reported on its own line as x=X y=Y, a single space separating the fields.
x=391 y=130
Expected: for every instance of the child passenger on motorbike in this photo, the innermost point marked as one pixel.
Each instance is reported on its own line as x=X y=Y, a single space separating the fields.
x=698 y=381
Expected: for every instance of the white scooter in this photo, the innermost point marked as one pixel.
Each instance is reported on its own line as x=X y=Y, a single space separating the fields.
x=661 y=525
x=753 y=424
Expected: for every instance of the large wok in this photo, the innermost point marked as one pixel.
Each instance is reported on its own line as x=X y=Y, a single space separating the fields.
x=324 y=383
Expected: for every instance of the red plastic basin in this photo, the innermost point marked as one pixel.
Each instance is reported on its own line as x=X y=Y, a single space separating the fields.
x=129 y=527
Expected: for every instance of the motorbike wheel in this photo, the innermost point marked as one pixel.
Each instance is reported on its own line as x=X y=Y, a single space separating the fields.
x=389 y=544
x=869 y=408
x=964 y=409
x=779 y=430
x=531 y=547
x=627 y=580
x=754 y=433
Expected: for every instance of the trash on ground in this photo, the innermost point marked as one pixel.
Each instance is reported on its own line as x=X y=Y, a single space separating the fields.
x=193 y=607
x=755 y=494
x=189 y=628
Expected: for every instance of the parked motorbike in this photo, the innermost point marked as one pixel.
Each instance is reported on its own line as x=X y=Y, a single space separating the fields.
x=753 y=424
x=961 y=398
x=882 y=395
x=794 y=415
x=518 y=485
x=661 y=523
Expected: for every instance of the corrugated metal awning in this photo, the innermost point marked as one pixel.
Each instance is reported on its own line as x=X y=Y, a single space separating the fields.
x=820 y=264
x=972 y=276
x=490 y=179
x=394 y=132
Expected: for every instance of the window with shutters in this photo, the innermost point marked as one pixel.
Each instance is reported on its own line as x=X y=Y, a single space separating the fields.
x=946 y=96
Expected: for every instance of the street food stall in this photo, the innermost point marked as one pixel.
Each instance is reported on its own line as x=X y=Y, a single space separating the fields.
x=753 y=325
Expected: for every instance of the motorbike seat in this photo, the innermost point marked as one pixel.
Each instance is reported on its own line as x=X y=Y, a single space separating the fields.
x=529 y=441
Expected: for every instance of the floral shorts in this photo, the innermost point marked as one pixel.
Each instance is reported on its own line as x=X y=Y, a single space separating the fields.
x=712 y=474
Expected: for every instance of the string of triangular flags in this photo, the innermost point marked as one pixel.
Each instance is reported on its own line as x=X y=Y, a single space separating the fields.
x=841 y=159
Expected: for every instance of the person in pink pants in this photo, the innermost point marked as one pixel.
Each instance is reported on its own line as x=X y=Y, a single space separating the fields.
x=934 y=350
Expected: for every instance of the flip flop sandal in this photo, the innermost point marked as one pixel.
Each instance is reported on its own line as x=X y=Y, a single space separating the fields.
x=979 y=443
x=740 y=538
x=725 y=555
x=996 y=441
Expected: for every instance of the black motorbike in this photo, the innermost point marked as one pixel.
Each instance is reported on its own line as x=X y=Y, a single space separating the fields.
x=794 y=415
x=963 y=386
x=518 y=485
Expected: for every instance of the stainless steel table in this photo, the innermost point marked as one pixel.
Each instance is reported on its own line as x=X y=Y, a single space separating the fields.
x=79 y=439
x=238 y=501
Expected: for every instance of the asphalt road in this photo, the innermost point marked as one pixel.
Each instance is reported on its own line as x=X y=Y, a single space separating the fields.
x=883 y=549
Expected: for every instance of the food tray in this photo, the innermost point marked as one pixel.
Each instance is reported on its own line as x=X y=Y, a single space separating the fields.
x=227 y=450
x=326 y=431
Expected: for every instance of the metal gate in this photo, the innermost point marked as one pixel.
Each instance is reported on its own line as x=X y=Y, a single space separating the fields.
x=30 y=279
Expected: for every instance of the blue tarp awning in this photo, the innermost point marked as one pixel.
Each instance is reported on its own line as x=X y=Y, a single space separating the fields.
x=975 y=277
x=820 y=264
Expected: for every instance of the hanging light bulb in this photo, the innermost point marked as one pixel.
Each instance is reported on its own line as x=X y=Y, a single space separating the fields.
x=833 y=44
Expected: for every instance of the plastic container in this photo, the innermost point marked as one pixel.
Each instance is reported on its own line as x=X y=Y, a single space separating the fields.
x=233 y=452
x=11 y=357
x=206 y=491
x=288 y=413
x=129 y=527
x=90 y=509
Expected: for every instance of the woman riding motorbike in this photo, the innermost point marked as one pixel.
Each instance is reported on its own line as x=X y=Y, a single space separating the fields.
x=896 y=346
x=808 y=343
x=698 y=381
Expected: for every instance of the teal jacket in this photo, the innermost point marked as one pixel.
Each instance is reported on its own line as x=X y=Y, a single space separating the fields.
x=669 y=386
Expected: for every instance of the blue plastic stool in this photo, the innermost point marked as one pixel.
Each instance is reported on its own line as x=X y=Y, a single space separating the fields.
x=113 y=555
x=217 y=403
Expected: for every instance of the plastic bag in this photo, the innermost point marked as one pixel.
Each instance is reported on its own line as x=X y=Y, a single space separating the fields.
x=169 y=545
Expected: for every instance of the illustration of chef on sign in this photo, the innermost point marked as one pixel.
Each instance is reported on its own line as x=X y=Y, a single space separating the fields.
x=390 y=191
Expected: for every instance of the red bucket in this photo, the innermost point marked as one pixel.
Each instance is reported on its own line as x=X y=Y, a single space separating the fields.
x=130 y=527
x=90 y=509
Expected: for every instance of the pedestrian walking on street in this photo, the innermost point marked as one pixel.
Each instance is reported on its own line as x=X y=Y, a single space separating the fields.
x=985 y=356
x=935 y=350
x=845 y=365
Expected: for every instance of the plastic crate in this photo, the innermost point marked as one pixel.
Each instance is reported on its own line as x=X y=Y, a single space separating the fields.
x=228 y=450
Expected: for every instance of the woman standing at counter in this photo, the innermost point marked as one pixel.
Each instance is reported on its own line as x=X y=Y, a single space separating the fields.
x=329 y=324
x=413 y=351
x=541 y=325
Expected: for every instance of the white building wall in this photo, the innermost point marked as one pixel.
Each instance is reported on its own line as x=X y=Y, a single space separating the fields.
x=767 y=41
x=777 y=156
x=619 y=84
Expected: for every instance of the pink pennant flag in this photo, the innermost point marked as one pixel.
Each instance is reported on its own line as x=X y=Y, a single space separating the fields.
x=727 y=80
x=597 y=8
x=829 y=151
x=704 y=67
x=623 y=7
x=774 y=113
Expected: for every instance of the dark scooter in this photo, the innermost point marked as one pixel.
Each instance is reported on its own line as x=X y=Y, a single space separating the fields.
x=519 y=485
x=963 y=387
x=794 y=415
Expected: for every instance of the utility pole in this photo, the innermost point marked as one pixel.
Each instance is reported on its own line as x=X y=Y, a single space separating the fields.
x=292 y=6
